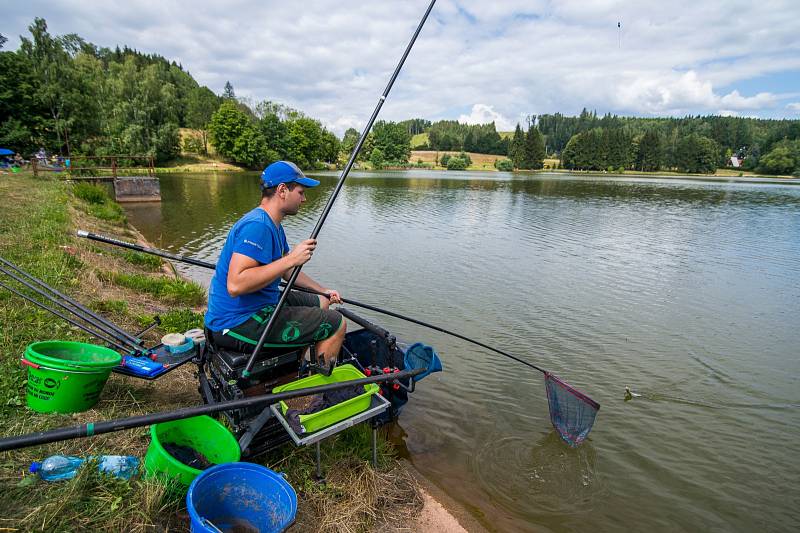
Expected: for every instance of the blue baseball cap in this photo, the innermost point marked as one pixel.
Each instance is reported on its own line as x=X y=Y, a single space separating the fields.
x=285 y=172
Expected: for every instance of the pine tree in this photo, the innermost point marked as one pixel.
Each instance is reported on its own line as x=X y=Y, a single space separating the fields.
x=533 y=149
x=228 y=91
x=650 y=154
x=516 y=151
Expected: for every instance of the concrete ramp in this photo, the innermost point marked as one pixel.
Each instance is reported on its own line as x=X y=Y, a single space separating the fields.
x=137 y=189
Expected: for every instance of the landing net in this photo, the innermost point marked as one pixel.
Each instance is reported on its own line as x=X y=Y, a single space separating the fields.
x=571 y=412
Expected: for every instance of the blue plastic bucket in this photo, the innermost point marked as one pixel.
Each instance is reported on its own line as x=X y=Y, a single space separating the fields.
x=240 y=497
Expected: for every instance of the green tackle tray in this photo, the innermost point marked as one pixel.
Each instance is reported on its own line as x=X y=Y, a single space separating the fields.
x=327 y=417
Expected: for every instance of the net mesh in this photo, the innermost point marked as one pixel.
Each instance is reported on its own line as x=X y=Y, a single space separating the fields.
x=420 y=355
x=571 y=412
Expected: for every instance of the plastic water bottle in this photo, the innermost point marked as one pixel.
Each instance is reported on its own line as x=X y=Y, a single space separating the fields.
x=58 y=467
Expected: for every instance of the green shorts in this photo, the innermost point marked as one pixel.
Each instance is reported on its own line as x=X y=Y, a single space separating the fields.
x=300 y=322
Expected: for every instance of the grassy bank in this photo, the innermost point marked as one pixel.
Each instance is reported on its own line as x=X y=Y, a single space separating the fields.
x=37 y=228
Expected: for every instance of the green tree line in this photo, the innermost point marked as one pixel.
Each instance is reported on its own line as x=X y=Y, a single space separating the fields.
x=71 y=97
x=255 y=136
x=688 y=144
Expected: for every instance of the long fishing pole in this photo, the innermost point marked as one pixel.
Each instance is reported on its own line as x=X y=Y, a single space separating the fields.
x=99 y=322
x=144 y=249
x=114 y=332
x=91 y=429
x=73 y=322
x=212 y=266
x=296 y=271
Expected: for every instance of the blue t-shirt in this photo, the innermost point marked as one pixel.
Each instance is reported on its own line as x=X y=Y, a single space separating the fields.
x=256 y=236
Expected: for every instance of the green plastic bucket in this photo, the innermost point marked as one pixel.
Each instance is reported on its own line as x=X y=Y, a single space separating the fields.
x=65 y=376
x=201 y=433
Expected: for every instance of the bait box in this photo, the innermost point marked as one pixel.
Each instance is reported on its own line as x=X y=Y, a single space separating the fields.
x=331 y=415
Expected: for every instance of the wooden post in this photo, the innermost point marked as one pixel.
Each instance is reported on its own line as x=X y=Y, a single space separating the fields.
x=114 y=167
x=35 y=169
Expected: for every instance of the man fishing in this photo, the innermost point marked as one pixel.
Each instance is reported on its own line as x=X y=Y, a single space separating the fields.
x=245 y=286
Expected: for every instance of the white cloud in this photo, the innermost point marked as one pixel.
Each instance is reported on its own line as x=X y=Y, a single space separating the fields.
x=483 y=114
x=794 y=106
x=737 y=101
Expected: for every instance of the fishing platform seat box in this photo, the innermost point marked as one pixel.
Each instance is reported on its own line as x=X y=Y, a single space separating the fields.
x=221 y=380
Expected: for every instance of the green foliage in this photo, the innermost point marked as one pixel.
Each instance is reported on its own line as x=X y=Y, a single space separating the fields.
x=393 y=140
x=181 y=320
x=349 y=141
x=465 y=156
x=504 y=165
x=304 y=141
x=516 y=150
x=415 y=126
x=235 y=135
x=456 y=163
x=200 y=107
x=598 y=149
x=784 y=159
x=533 y=150
x=193 y=144
x=444 y=159
x=92 y=193
x=69 y=96
x=227 y=123
x=479 y=138
x=696 y=154
x=376 y=159
x=649 y=152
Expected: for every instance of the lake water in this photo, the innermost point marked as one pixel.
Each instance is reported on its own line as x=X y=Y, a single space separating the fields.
x=686 y=291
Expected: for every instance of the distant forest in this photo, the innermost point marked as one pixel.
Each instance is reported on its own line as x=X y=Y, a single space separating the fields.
x=74 y=98
x=588 y=142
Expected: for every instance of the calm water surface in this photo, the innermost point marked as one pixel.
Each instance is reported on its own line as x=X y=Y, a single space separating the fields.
x=687 y=291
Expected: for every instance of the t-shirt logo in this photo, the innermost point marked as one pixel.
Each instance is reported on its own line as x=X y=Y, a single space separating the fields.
x=251 y=243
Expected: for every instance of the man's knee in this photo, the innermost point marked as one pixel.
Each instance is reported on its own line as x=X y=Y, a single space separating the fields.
x=342 y=327
x=324 y=303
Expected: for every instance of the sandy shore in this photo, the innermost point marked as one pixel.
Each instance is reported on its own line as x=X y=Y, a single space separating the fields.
x=440 y=513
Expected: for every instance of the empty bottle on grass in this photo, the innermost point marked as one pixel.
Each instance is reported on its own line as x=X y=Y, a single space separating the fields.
x=58 y=467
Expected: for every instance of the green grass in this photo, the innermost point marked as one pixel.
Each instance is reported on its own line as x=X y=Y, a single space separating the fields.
x=181 y=320
x=419 y=139
x=97 y=202
x=110 y=211
x=110 y=306
x=176 y=291
x=91 y=501
x=92 y=193
x=150 y=262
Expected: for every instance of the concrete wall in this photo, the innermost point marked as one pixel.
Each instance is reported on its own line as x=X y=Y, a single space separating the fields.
x=137 y=189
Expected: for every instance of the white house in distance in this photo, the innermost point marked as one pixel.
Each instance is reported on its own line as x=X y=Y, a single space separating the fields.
x=736 y=162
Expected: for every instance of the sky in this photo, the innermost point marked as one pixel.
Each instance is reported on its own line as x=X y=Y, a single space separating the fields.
x=474 y=61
